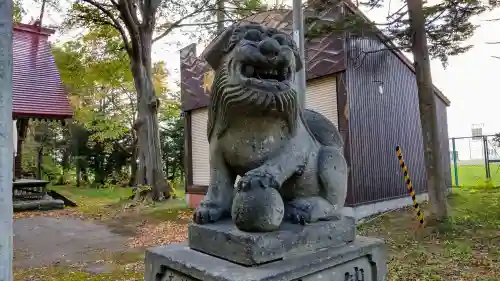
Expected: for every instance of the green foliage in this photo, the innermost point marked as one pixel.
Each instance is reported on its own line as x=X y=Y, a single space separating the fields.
x=97 y=147
x=166 y=17
x=100 y=145
x=448 y=25
x=18 y=11
x=249 y=7
x=136 y=27
x=172 y=136
x=102 y=94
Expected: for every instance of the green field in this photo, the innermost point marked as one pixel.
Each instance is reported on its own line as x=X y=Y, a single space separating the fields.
x=475 y=175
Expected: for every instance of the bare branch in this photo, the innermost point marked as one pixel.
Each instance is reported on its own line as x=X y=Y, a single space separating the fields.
x=398 y=12
x=178 y=22
x=115 y=22
x=435 y=18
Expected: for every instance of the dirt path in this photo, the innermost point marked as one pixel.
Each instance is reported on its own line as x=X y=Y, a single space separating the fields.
x=44 y=241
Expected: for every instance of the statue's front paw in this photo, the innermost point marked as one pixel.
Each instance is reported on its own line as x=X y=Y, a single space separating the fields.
x=255 y=178
x=299 y=171
x=298 y=213
x=204 y=215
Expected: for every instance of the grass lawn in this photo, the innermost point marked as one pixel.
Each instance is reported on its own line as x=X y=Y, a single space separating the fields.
x=108 y=202
x=466 y=247
x=474 y=175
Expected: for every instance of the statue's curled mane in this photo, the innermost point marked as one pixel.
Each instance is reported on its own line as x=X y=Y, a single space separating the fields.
x=225 y=96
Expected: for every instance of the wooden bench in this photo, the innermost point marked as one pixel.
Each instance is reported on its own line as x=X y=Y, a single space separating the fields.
x=29 y=189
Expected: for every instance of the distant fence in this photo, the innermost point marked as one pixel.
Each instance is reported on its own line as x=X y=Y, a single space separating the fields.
x=475 y=161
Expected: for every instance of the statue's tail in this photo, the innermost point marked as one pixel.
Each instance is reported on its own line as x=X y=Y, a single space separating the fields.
x=323 y=130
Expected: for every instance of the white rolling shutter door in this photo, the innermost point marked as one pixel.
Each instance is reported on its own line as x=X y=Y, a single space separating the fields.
x=322 y=97
x=201 y=165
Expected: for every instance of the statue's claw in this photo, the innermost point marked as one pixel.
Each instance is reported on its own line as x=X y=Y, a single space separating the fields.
x=300 y=170
x=256 y=178
x=298 y=213
x=204 y=215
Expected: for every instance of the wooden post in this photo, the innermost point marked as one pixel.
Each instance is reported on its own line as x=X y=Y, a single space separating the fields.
x=455 y=168
x=6 y=142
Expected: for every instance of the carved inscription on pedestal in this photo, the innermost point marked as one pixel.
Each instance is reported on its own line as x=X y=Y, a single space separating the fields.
x=355 y=270
x=357 y=275
x=167 y=274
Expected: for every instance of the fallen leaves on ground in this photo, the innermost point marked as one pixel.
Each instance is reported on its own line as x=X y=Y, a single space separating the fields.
x=465 y=247
x=163 y=232
x=69 y=212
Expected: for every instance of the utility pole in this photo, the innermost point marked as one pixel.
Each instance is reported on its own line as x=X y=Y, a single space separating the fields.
x=298 y=36
x=6 y=147
x=428 y=111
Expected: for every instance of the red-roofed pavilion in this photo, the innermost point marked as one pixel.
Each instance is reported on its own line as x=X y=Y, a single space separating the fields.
x=38 y=92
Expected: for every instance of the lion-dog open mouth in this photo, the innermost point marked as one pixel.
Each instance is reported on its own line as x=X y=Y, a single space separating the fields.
x=265 y=62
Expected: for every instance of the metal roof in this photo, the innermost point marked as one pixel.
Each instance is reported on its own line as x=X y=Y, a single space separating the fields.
x=37 y=88
x=323 y=55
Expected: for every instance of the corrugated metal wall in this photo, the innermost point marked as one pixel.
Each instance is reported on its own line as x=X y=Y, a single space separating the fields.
x=445 y=143
x=379 y=122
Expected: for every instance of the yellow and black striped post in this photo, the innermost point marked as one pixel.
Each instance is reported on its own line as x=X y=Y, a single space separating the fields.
x=402 y=164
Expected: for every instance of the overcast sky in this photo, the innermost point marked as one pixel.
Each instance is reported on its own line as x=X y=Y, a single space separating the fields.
x=469 y=80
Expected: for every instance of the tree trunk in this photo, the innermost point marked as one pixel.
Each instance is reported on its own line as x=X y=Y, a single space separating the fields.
x=85 y=174
x=150 y=169
x=39 y=163
x=78 y=172
x=65 y=165
x=167 y=164
x=428 y=111
x=133 y=163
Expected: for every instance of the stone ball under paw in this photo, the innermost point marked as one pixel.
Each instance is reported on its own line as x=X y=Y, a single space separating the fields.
x=258 y=210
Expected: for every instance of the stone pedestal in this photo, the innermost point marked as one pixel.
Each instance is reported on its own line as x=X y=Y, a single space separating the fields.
x=327 y=251
x=362 y=260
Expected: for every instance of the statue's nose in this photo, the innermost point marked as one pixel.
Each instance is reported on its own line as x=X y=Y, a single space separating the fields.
x=269 y=47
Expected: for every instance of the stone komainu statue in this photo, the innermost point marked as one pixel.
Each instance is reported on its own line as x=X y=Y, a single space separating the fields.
x=290 y=160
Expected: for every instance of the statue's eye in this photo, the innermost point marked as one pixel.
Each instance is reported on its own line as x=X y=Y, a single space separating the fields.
x=253 y=35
